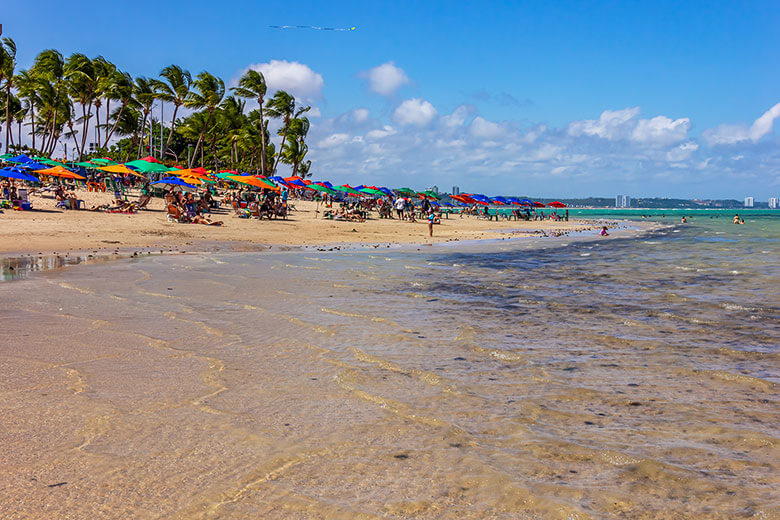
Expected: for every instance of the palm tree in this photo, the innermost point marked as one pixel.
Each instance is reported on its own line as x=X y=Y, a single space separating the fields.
x=296 y=149
x=105 y=75
x=49 y=70
x=282 y=106
x=27 y=86
x=208 y=94
x=119 y=89
x=176 y=91
x=82 y=89
x=7 y=66
x=252 y=85
x=144 y=95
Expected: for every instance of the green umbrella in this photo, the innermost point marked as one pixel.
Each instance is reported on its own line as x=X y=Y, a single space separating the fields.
x=324 y=189
x=85 y=164
x=6 y=156
x=347 y=189
x=102 y=162
x=405 y=190
x=431 y=194
x=46 y=160
x=372 y=191
x=147 y=167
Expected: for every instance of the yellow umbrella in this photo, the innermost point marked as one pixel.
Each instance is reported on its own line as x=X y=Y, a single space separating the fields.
x=191 y=179
x=59 y=171
x=121 y=168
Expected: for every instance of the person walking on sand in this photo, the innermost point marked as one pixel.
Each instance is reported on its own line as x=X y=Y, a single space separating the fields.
x=431 y=218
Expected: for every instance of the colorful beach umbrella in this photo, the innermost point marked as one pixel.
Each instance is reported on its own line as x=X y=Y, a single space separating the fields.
x=121 y=169
x=19 y=159
x=321 y=188
x=59 y=171
x=14 y=173
x=174 y=183
x=556 y=204
x=147 y=167
x=250 y=180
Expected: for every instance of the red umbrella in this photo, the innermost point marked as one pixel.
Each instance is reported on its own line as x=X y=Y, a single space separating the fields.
x=539 y=205
x=556 y=204
x=149 y=158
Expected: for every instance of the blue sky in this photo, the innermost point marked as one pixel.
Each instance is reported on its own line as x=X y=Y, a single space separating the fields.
x=538 y=98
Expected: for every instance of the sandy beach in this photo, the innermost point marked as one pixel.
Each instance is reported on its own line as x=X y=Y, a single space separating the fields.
x=48 y=230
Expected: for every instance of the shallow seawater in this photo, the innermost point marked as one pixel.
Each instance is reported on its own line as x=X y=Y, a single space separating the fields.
x=631 y=378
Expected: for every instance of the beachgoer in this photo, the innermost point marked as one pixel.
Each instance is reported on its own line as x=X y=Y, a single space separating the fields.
x=604 y=232
x=400 y=203
x=742 y=221
x=736 y=219
x=683 y=220
x=431 y=218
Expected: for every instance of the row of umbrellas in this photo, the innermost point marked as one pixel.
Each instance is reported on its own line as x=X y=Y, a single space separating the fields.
x=189 y=179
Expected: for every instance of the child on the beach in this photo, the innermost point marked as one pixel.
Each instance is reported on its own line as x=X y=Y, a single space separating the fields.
x=604 y=232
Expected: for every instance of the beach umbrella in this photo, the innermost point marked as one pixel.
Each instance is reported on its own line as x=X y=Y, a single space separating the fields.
x=431 y=194
x=6 y=156
x=405 y=191
x=13 y=173
x=346 y=188
x=84 y=164
x=102 y=161
x=539 y=205
x=147 y=167
x=320 y=187
x=47 y=161
x=19 y=159
x=373 y=191
x=150 y=159
x=121 y=169
x=556 y=204
x=174 y=183
x=59 y=171
x=250 y=180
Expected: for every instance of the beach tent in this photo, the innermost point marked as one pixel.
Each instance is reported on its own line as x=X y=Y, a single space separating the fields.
x=14 y=173
x=174 y=183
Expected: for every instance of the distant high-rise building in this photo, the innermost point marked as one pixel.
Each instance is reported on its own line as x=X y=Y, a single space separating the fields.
x=622 y=201
x=455 y=190
x=748 y=202
x=435 y=189
x=773 y=203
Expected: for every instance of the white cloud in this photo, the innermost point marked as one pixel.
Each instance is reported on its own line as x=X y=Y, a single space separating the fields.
x=360 y=115
x=386 y=79
x=296 y=78
x=682 y=152
x=732 y=134
x=458 y=116
x=334 y=140
x=661 y=130
x=387 y=130
x=314 y=112
x=484 y=129
x=415 y=111
x=611 y=125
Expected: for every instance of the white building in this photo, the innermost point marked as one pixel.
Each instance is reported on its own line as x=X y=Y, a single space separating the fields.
x=748 y=202
x=773 y=203
x=622 y=201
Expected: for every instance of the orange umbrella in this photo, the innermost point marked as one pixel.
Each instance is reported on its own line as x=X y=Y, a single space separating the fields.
x=121 y=168
x=189 y=173
x=253 y=181
x=191 y=179
x=59 y=171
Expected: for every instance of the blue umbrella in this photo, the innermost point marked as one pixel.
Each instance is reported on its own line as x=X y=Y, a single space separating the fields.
x=172 y=183
x=20 y=159
x=13 y=173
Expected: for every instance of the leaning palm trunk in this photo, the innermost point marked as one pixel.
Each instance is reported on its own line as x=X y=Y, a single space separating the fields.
x=200 y=141
x=118 y=118
x=173 y=125
x=262 y=139
x=7 y=111
x=279 y=155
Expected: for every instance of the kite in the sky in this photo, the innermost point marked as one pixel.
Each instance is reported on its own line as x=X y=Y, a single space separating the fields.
x=311 y=27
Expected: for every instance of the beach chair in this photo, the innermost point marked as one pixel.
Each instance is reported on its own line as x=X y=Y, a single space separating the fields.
x=143 y=202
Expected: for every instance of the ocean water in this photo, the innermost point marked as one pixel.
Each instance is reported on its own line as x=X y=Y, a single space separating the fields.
x=588 y=378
